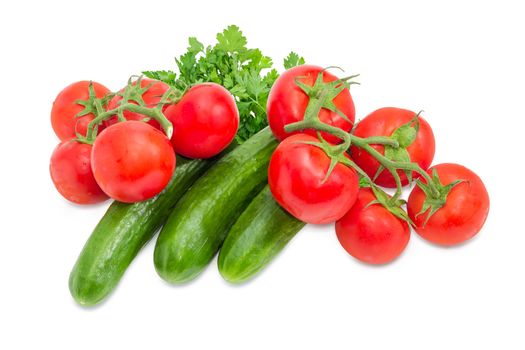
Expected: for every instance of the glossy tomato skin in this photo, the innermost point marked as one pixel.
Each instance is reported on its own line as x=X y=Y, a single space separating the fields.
x=70 y=169
x=151 y=97
x=132 y=161
x=371 y=233
x=287 y=103
x=65 y=109
x=464 y=212
x=383 y=122
x=205 y=121
x=295 y=177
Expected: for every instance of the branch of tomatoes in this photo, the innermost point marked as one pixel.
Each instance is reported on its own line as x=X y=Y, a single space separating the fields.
x=328 y=169
x=131 y=100
x=321 y=95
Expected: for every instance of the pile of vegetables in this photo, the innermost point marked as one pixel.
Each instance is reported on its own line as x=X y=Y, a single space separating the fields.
x=227 y=156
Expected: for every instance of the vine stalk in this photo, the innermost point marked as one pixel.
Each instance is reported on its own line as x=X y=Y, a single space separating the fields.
x=311 y=121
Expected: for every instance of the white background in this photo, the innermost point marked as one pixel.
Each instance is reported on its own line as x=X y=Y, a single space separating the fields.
x=461 y=62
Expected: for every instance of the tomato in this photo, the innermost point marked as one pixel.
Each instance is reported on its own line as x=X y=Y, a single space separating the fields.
x=296 y=175
x=383 y=122
x=372 y=234
x=287 y=103
x=132 y=161
x=464 y=212
x=151 y=98
x=205 y=121
x=70 y=169
x=65 y=108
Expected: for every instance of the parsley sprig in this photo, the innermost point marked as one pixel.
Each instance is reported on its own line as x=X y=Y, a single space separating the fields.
x=245 y=72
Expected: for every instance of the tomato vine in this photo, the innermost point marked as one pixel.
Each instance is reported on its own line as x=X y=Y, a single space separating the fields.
x=321 y=96
x=131 y=101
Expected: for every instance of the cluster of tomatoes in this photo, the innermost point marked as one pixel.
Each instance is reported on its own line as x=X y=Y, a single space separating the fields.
x=128 y=157
x=371 y=225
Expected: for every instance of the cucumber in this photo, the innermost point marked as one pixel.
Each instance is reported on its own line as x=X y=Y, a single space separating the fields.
x=201 y=219
x=258 y=235
x=122 y=232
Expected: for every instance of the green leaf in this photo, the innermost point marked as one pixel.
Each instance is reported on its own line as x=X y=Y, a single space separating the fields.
x=293 y=60
x=231 y=40
x=239 y=91
x=228 y=82
x=255 y=86
x=167 y=76
x=195 y=45
x=271 y=77
x=255 y=60
x=186 y=65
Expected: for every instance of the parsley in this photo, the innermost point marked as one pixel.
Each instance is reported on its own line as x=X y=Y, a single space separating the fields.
x=293 y=60
x=246 y=73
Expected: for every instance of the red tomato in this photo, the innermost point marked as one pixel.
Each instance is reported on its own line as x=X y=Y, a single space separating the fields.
x=296 y=175
x=372 y=234
x=151 y=97
x=465 y=210
x=383 y=122
x=132 y=161
x=65 y=109
x=71 y=173
x=287 y=103
x=205 y=121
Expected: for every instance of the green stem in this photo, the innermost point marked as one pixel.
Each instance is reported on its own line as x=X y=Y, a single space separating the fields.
x=394 y=166
x=319 y=98
x=311 y=121
x=153 y=113
x=379 y=140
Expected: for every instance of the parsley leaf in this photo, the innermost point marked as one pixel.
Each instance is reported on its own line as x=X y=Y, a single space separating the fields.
x=231 y=40
x=293 y=60
x=168 y=76
x=247 y=73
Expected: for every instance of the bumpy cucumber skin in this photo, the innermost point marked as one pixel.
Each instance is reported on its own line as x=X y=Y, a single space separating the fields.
x=258 y=235
x=122 y=232
x=201 y=219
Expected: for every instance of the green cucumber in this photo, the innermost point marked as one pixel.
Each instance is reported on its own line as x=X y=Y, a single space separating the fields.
x=258 y=235
x=122 y=232
x=201 y=219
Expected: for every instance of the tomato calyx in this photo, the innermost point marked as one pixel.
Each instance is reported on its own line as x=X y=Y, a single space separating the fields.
x=134 y=92
x=332 y=90
x=392 y=204
x=311 y=121
x=93 y=105
x=434 y=201
x=132 y=101
x=405 y=135
x=336 y=155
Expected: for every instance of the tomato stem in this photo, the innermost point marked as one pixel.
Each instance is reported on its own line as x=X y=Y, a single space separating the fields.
x=322 y=98
x=379 y=140
x=132 y=101
x=393 y=166
x=153 y=113
x=311 y=121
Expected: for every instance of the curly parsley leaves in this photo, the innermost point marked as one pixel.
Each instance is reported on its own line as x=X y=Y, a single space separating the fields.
x=246 y=73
